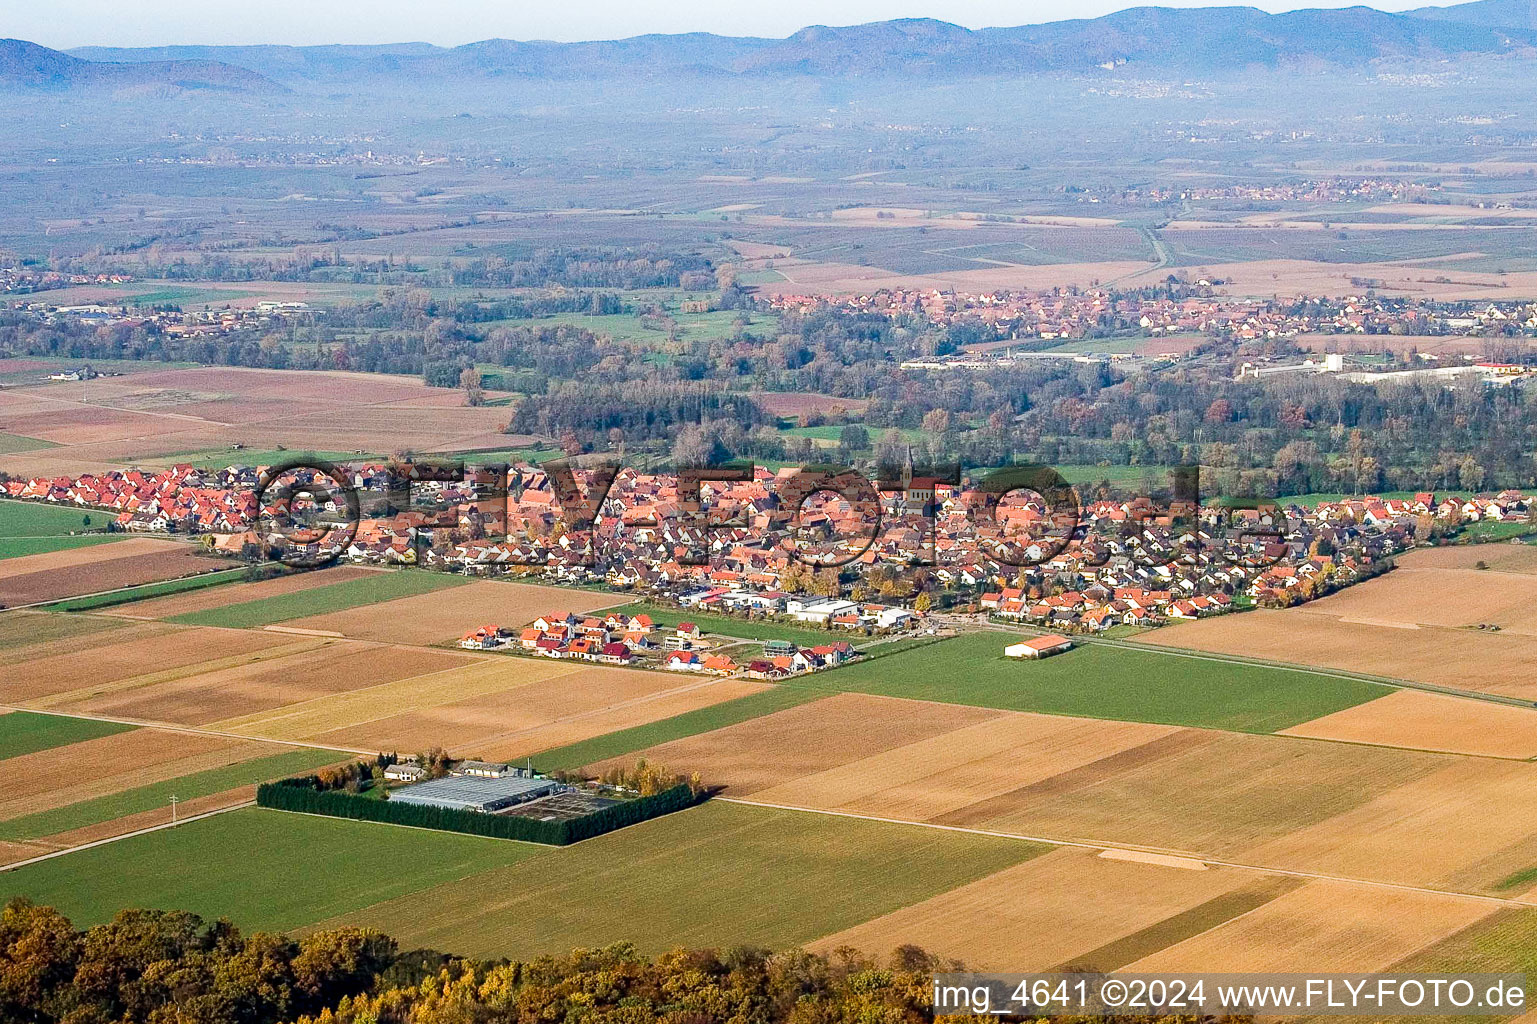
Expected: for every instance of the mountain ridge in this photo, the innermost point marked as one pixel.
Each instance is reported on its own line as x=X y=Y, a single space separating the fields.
x=1184 y=40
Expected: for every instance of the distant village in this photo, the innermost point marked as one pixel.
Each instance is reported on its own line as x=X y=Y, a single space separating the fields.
x=1078 y=315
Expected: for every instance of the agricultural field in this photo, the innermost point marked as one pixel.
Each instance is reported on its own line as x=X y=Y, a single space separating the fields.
x=1068 y=909
x=170 y=606
x=25 y=633
x=614 y=744
x=247 y=865
x=444 y=616
x=1431 y=721
x=366 y=590
x=146 y=806
x=147 y=591
x=22 y=732
x=505 y=708
x=27 y=528
x=70 y=572
x=33 y=519
x=1389 y=627
x=1278 y=802
x=162 y=414
x=733 y=875
x=1102 y=681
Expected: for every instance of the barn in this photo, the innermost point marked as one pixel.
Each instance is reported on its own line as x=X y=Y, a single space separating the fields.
x=1038 y=647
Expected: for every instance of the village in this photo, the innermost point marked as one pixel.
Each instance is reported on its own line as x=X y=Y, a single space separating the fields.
x=741 y=554
x=1189 y=310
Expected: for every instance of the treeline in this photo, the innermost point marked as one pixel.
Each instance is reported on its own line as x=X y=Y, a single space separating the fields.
x=154 y=966
x=306 y=794
x=171 y=967
x=564 y=266
x=647 y=409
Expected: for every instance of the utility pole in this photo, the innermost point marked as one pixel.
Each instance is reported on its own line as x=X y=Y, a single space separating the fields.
x=174 y=802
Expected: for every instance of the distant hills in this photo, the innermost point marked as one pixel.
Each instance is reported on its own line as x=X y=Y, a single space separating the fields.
x=1515 y=14
x=1189 y=41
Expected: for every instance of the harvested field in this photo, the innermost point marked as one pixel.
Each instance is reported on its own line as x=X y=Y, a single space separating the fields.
x=1292 y=277
x=1204 y=794
x=1431 y=721
x=70 y=423
x=165 y=412
x=64 y=775
x=219 y=597
x=1045 y=913
x=1426 y=596
x=1503 y=663
x=1465 y=824
x=312 y=671
x=1521 y=558
x=923 y=780
x=439 y=617
x=1323 y=926
x=802 y=403
x=149 y=649
x=1188 y=792
x=543 y=713
x=327 y=715
x=788 y=745
x=110 y=571
x=34 y=634
x=55 y=561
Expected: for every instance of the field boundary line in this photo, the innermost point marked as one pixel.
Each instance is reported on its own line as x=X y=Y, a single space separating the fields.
x=1084 y=844
x=127 y=835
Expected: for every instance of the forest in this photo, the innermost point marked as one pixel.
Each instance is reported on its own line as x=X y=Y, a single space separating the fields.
x=172 y=967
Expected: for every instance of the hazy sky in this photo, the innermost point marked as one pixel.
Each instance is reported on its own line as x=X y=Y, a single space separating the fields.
x=62 y=23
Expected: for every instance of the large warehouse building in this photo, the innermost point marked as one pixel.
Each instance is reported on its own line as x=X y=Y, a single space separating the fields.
x=468 y=793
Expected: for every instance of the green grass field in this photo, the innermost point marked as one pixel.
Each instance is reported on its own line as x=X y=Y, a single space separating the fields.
x=31 y=519
x=690 y=723
x=719 y=874
x=375 y=588
x=262 y=869
x=725 y=625
x=20 y=547
x=140 y=593
x=1489 y=532
x=22 y=732
x=10 y=444
x=1100 y=681
x=158 y=794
